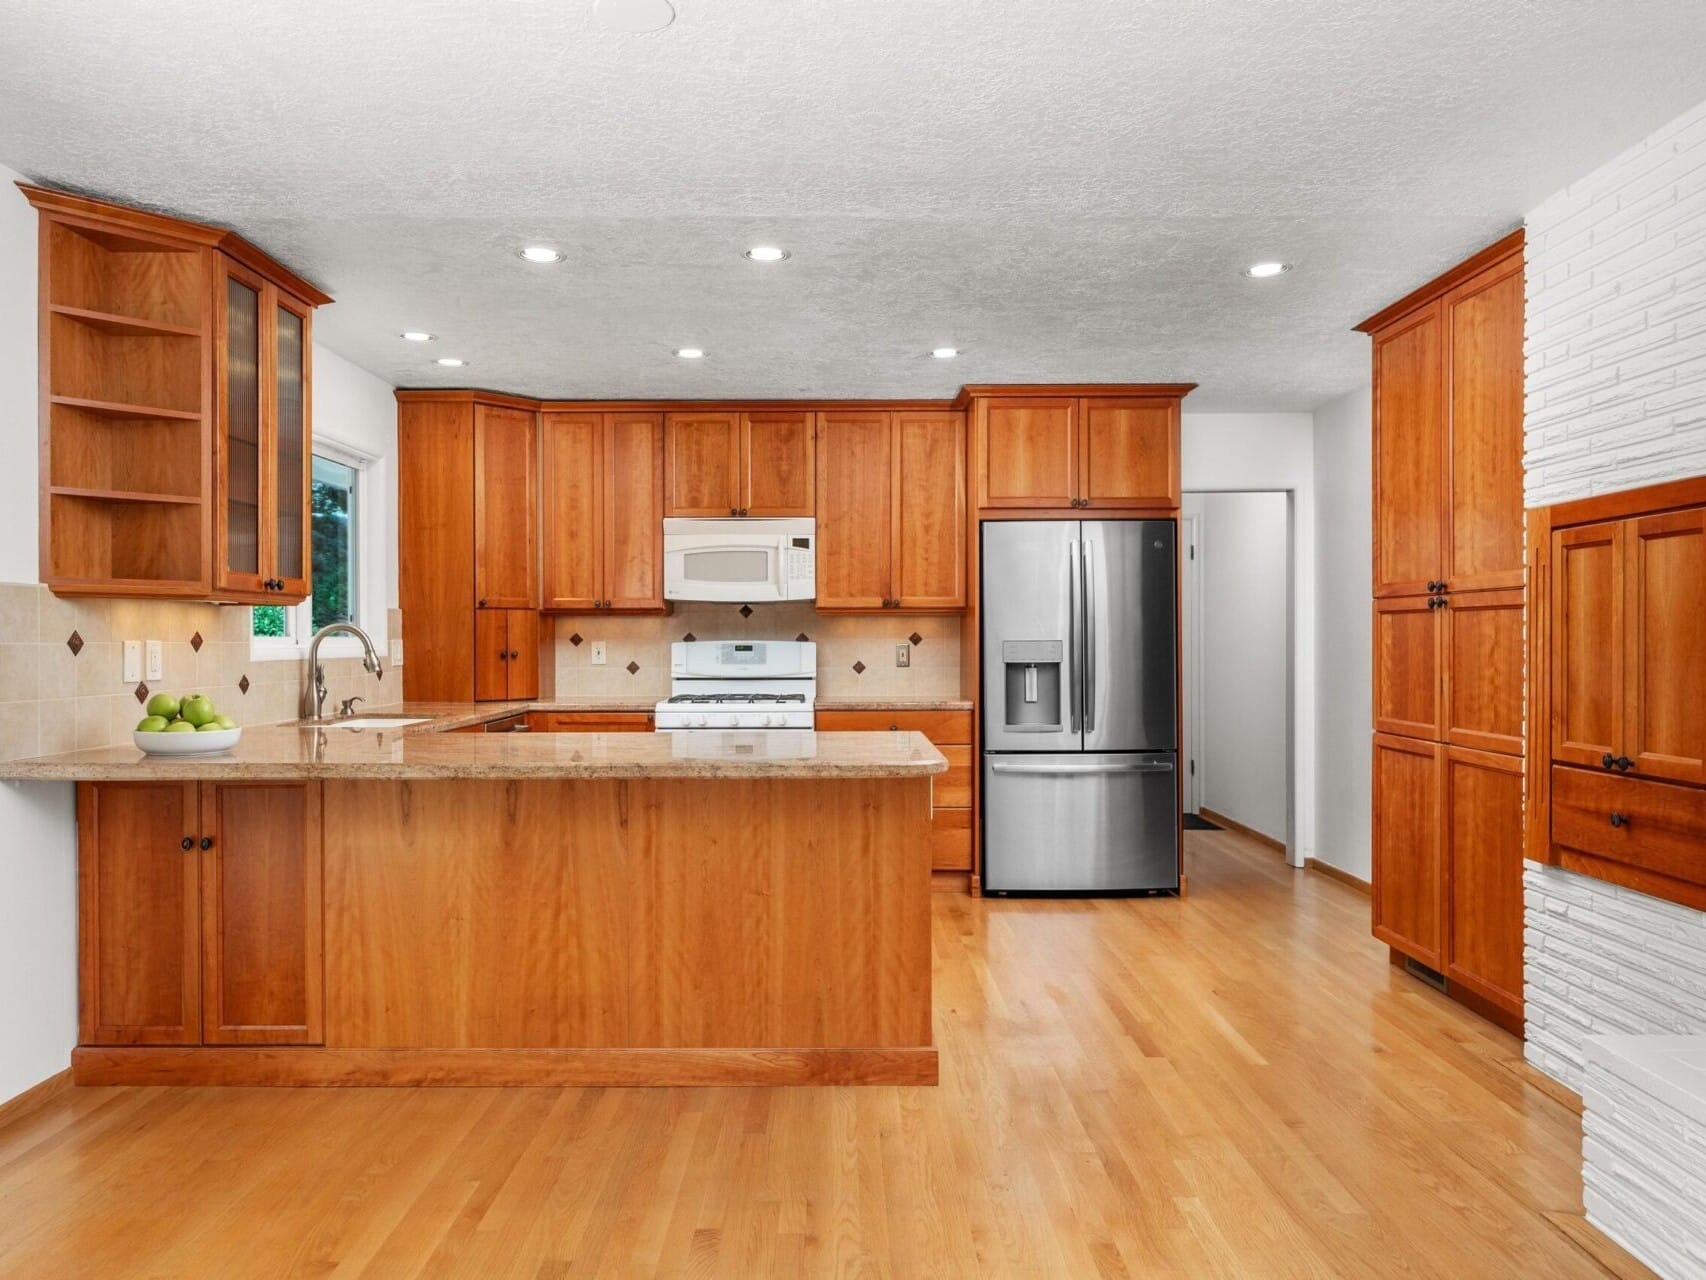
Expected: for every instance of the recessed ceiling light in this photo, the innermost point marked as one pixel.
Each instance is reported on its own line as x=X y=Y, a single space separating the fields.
x=690 y=353
x=540 y=253
x=766 y=253
x=450 y=362
x=1267 y=270
x=945 y=353
x=417 y=335
x=635 y=16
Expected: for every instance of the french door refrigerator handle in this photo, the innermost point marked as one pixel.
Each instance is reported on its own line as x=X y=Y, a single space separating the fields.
x=1072 y=630
x=1004 y=766
x=1089 y=639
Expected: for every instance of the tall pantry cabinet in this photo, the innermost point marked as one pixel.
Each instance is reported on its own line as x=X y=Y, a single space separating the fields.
x=1449 y=608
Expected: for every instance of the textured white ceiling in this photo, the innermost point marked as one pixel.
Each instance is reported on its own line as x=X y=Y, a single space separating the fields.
x=1066 y=189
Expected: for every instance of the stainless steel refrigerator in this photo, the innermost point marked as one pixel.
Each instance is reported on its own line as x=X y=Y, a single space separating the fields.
x=1080 y=696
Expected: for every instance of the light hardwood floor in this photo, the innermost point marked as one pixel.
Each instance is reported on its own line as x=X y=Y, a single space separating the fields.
x=1236 y=1085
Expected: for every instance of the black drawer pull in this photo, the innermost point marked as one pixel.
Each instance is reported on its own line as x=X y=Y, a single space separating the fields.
x=1618 y=820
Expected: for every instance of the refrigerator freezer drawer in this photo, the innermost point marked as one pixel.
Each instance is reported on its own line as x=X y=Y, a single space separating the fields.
x=1083 y=823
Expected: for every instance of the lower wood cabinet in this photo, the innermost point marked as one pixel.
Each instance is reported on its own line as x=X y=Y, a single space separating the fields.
x=1408 y=824
x=199 y=913
x=506 y=655
x=590 y=721
x=951 y=792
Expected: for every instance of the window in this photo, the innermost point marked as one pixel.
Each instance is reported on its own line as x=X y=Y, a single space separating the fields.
x=335 y=490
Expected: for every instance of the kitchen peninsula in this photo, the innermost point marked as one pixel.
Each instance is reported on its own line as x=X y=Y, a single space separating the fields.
x=418 y=906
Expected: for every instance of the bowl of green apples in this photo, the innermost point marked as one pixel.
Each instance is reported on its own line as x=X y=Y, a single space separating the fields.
x=187 y=725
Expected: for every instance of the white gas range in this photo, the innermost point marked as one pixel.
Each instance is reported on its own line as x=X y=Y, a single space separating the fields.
x=740 y=684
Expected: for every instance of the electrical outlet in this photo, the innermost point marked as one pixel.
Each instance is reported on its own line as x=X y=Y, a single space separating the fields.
x=132 y=662
x=598 y=654
x=156 y=660
x=903 y=655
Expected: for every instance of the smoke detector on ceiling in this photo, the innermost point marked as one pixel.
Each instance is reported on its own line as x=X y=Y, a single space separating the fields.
x=634 y=16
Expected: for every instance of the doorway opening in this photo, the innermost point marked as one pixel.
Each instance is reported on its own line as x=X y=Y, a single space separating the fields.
x=1237 y=587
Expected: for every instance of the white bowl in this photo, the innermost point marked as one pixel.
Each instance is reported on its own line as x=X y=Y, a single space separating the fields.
x=186 y=744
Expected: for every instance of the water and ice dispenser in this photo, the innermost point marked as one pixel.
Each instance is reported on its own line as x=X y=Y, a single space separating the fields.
x=1033 y=668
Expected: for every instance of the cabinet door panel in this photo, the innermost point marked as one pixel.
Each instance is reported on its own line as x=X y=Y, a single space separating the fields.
x=1408 y=456
x=777 y=472
x=1587 y=643
x=703 y=467
x=1407 y=658
x=573 y=505
x=1484 y=504
x=240 y=458
x=633 y=512
x=1665 y=698
x=1028 y=453
x=138 y=904
x=289 y=448
x=1129 y=455
x=855 y=511
x=1483 y=800
x=1483 y=670
x=261 y=914
x=435 y=548
x=491 y=655
x=521 y=671
x=930 y=524
x=1408 y=830
x=505 y=575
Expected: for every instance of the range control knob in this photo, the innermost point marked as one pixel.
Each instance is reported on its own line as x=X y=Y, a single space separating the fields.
x=698 y=722
x=730 y=722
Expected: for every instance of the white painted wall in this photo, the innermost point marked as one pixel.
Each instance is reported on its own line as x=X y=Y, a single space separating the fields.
x=1615 y=398
x=1250 y=451
x=1344 y=679
x=1243 y=576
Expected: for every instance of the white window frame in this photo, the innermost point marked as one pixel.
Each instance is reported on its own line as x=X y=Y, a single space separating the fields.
x=370 y=611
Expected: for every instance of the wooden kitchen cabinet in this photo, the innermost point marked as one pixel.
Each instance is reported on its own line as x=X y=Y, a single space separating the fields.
x=1030 y=453
x=261 y=917
x=1129 y=452
x=1409 y=817
x=603 y=504
x=1409 y=457
x=1408 y=686
x=1481 y=670
x=1100 y=452
x=591 y=721
x=950 y=732
x=506 y=655
x=506 y=544
x=725 y=464
x=1587 y=643
x=199 y=913
x=1483 y=874
x=891 y=510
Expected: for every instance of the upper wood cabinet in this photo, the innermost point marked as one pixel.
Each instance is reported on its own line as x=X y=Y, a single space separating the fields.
x=1448 y=508
x=891 y=510
x=603 y=505
x=506 y=655
x=506 y=546
x=1053 y=452
x=176 y=390
x=1629 y=645
x=1408 y=681
x=199 y=913
x=739 y=464
x=1449 y=669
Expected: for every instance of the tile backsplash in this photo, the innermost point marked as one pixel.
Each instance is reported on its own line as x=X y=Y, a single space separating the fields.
x=61 y=662
x=855 y=652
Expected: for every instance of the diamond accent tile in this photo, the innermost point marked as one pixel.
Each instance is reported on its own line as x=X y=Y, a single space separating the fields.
x=802 y=637
x=859 y=668
x=633 y=668
x=243 y=684
x=575 y=639
x=689 y=637
x=74 y=643
x=916 y=638
x=142 y=693
x=196 y=642
x=746 y=611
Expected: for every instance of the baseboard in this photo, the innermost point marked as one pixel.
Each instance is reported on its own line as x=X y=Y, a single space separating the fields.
x=1338 y=873
x=35 y=1097
x=1232 y=824
x=512 y=1067
x=951 y=881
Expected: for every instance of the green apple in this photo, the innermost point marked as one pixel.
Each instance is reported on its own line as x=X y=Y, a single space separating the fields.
x=198 y=710
x=212 y=726
x=164 y=706
x=151 y=724
x=179 y=726
x=225 y=722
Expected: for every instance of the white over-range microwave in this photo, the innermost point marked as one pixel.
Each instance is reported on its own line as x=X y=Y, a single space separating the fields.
x=750 y=561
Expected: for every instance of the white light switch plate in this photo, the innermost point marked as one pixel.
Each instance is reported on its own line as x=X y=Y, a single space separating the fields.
x=156 y=660
x=903 y=655
x=132 y=671
x=598 y=655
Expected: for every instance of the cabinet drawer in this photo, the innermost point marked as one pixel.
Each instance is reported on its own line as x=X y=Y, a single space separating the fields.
x=1663 y=827
x=950 y=840
x=592 y=721
x=951 y=727
x=952 y=790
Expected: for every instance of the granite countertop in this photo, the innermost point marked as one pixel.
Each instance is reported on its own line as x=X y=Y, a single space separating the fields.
x=285 y=752
x=892 y=704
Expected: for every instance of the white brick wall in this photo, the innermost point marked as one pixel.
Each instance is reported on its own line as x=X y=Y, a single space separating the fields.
x=1644 y=1151
x=1615 y=384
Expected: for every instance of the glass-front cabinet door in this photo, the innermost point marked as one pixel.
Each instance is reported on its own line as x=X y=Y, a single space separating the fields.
x=240 y=455
x=290 y=519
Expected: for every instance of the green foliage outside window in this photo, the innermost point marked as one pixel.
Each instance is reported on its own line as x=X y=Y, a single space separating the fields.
x=332 y=490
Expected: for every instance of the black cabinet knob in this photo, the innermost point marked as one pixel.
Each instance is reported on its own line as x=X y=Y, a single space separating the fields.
x=187 y=843
x=207 y=842
x=1608 y=761
x=734 y=511
x=1618 y=820
x=1625 y=763
x=481 y=604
